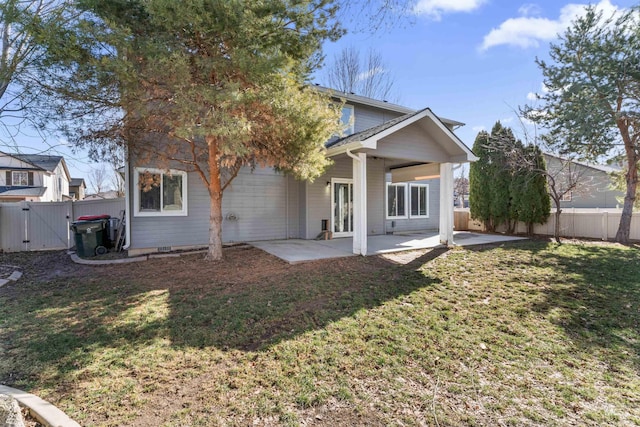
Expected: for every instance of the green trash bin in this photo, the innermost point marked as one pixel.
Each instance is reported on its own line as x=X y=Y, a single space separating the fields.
x=90 y=237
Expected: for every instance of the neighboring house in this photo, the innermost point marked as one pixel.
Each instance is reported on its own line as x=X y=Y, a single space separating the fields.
x=110 y=194
x=594 y=189
x=77 y=188
x=33 y=177
x=392 y=172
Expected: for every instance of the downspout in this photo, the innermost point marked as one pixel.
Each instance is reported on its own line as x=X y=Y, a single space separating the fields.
x=127 y=206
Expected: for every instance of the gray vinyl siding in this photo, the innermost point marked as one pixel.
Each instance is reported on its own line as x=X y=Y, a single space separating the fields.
x=594 y=188
x=257 y=201
x=318 y=196
x=366 y=117
x=595 y=193
x=293 y=208
x=409 y=143
x=302 y=213
x=166 y=231
x=419 y=224
x=375 y=196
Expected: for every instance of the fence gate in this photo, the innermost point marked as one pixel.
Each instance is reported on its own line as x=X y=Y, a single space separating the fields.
x=36 y=226
x=48 y=225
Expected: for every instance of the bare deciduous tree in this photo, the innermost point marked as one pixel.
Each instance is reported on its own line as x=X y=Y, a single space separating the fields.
x=369 y=77
x=563 y=174
x=98 y=179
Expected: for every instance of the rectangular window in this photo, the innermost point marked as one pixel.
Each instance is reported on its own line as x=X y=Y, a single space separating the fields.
x=396 y=197
x=160 y=193
x=348 y=120
x=419 y=201
x=20 y=178
x=566 y=197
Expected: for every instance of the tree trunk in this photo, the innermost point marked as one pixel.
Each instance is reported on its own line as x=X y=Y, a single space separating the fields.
x=622 y=236
x=215 y=195
x=556 y=228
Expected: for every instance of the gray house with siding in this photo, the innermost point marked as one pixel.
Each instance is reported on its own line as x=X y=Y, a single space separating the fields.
x=392 y=172
x=594 y=189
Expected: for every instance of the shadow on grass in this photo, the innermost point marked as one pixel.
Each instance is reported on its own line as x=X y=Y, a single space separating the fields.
x=592 y=291
x=249 y=302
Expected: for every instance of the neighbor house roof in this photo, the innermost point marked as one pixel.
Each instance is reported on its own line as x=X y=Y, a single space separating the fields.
x=43 y=161
x=22 y=191
x=77 y=182
x=602 y=168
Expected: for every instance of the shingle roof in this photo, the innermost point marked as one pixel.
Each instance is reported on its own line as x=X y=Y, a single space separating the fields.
x=76 y=182
x=368 y=133
x=46 y=162
x=602 y=168
x=22 y=191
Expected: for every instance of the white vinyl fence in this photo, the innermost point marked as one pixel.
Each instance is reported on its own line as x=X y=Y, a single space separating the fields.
x=35 y=226
x=587 y=223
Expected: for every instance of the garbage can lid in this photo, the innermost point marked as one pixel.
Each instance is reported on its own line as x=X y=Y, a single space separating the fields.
x=93 y=217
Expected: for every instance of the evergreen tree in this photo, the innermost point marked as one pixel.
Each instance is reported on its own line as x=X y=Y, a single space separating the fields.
x=205 y=86
x=593 y=97
x=530 y=196
x=501 y=141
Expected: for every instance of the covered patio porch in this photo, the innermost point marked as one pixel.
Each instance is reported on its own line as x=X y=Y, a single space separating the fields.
x=298 y=250
x=414 y=148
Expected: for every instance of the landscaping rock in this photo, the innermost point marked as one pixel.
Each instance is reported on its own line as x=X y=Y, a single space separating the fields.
x=10 y=415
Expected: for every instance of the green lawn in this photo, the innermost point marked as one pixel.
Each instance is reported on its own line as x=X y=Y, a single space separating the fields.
x=525 y=333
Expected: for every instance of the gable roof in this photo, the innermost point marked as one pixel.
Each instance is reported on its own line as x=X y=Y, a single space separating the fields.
x=359 y=99
x=43 y=162
x=77 y=182
x=601 y=168
x=22 y=191
x=368 y=138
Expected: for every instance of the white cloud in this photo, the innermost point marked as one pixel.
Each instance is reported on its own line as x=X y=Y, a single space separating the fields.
x=532 y=96
x=478 y=128
x=528 y=31
x=529 y=9
x=436 y=8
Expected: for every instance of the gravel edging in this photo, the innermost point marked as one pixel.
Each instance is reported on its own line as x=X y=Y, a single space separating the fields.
x=41 y=410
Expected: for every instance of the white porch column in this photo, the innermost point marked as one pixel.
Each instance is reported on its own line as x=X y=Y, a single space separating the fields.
x=359 y=203
x=446 y=204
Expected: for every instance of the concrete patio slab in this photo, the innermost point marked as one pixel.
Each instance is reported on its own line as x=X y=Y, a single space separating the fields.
x=298 y=250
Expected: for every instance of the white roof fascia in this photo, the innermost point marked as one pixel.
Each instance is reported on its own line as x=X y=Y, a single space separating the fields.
x=331 y=152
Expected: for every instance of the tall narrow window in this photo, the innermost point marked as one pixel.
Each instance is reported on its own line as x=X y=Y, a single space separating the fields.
x=348 y=119
x=419 y=201
x=396 y=200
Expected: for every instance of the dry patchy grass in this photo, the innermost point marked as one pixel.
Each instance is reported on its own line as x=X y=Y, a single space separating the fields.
x=518 y=334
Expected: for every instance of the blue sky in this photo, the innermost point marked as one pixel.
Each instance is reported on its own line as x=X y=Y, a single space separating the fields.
x=471 y=60
x=468 y=60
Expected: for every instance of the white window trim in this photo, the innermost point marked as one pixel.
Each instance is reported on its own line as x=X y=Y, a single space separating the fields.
x=386 y=200
x=427 y=201
x=350 y=130
x=136 y=193
x=567 y=197
x=13 y=178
